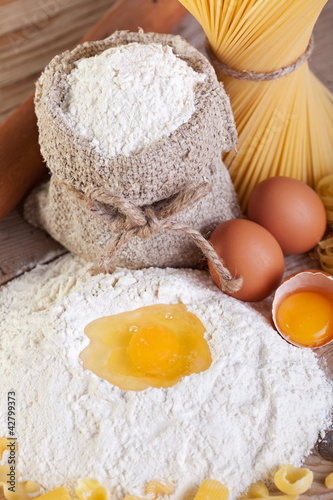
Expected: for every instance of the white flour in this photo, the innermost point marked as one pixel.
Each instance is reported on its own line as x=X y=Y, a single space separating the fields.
x=260 y=404
x=129 y=97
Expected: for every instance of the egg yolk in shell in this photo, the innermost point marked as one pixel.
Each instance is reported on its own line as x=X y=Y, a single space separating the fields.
x=153 y=346
x=305 y=317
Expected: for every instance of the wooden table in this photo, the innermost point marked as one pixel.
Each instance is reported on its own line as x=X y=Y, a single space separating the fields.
x=22 y=247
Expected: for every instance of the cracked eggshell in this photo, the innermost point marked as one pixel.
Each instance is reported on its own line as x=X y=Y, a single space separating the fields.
x=311 y=278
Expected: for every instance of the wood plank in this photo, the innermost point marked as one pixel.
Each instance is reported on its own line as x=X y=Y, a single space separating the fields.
x=31 y=33
x=22 y=247
x=28 y=15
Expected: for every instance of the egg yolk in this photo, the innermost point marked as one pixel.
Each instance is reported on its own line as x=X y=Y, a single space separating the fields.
x=306 y=318
x=153 y=346
x=154 y=349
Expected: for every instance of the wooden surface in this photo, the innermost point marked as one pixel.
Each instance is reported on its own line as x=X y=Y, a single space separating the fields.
x=21 y=23
x=31 y=33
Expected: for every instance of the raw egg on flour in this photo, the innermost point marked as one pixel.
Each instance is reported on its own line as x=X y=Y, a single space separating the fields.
x=153 y=346
x=303 y=309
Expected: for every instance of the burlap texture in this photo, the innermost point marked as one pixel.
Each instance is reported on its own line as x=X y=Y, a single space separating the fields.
x=161 y=169
x=190 y=155
x=59 y=212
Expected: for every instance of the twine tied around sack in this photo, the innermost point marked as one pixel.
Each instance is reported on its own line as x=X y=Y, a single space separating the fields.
x=257 y=76
x=142 y=222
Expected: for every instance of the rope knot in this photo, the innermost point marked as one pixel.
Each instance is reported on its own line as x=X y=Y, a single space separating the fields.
x=129 y=220
x=152 y=223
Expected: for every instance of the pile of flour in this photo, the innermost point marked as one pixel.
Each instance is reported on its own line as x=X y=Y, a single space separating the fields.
x=261 y=403
x=129 y=97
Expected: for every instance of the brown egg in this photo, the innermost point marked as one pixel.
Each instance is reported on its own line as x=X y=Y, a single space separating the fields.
x=250 y=251
x=291 y=211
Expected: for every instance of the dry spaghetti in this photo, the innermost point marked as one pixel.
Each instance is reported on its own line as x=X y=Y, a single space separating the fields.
x=285 y=126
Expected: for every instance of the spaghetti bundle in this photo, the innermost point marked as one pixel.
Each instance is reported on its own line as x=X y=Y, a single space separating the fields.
x=285 y=125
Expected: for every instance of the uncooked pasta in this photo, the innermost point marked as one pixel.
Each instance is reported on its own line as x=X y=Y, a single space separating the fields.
x=285 y=125
x=324 y=189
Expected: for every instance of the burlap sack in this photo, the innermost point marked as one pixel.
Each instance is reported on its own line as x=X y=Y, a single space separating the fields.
x=143 y=210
